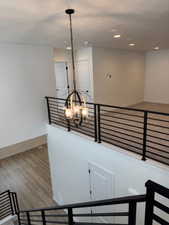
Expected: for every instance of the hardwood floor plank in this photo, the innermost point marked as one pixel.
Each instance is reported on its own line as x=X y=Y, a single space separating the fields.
x=28 y=174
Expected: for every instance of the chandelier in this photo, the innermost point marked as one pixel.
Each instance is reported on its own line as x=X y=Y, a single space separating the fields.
x=75 y=104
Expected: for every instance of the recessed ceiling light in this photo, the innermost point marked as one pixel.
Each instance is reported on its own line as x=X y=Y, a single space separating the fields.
x=132 y=44
x=156 y=48
x=117 y=36
x=68 y=48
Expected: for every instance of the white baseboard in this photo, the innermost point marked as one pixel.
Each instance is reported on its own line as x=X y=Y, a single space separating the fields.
x=22 y=146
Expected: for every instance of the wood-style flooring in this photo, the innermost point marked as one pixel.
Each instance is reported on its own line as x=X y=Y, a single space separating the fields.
x=28 y=174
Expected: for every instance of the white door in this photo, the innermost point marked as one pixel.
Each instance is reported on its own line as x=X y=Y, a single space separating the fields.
x=83 y=77
x=61 y=75
x=101 y=187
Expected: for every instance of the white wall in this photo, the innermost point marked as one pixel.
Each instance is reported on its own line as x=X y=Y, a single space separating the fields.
x=26 y=76
x=69 y=155
x=83 y=67
x=126 y=85
x=157 y=77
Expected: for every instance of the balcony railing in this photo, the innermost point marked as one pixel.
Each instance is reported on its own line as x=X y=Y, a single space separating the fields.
x=155 y=211
x=143 y=132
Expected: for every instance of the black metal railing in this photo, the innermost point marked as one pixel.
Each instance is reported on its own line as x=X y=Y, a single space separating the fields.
x=70 y=216
x=140 y=131
x=52 y=215
x=8 y=204
x=157 y=202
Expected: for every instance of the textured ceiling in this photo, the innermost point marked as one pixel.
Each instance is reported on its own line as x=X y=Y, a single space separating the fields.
x=144 y=22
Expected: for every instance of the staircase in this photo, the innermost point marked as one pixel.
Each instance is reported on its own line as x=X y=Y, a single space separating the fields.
x=156 y=211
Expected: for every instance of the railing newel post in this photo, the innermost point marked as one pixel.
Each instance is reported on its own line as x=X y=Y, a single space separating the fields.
x=95 y=122
x=48 y=108
x=70 y=216
x=19 y=220
x=145 y=135
x=99 y=128
x=132 y=213
x=68 y=126
x=43 y=217
x=150 y=194
x=11 y=205
x=28 y=218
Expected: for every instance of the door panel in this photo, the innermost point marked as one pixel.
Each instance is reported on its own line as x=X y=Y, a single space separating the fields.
x=83 y=78
x=61 y=79
x=101 y=187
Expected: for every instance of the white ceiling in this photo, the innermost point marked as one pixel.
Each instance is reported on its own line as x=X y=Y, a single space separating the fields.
x=144 y=22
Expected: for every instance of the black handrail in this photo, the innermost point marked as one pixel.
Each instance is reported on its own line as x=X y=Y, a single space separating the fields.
x=106 y=123
x=113 y=201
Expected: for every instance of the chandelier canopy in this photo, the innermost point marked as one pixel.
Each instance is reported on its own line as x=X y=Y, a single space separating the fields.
x=75 y=104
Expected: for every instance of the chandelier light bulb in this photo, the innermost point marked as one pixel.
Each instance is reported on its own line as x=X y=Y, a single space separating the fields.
x=85 y=112
x=76 y=109
x=68 y=113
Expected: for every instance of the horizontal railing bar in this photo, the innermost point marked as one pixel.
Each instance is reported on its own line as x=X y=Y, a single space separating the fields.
x=117 y=112
x=113 y=201
x=160 y=220
x=157 y=149
x=47 y=221
x=101 y=214
x=7 y=212
x=61 y=107
x=161 y=206
x=156 y=125
x=8 y=207
x=123 y=147
x=126 y=134
x=152 y=136
x=91 y=124
x=157 y=143
x=90 y=128
x=4 y=197
x=5 y=202
x=62 y=99
x=120 y=128
x=59 y=118
x=85 y=223
x=121 y=138
x=118 y=107
x=4 y=192
x=138 y=148
x=48 y=215
x=125 y=124
x=162 y=156
x=4 y=206
x=151 y=118
x=59 y=121
x=134 y=109
x=27 y=223
x=158 y=160
x=119 y=118
x=156 y=131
